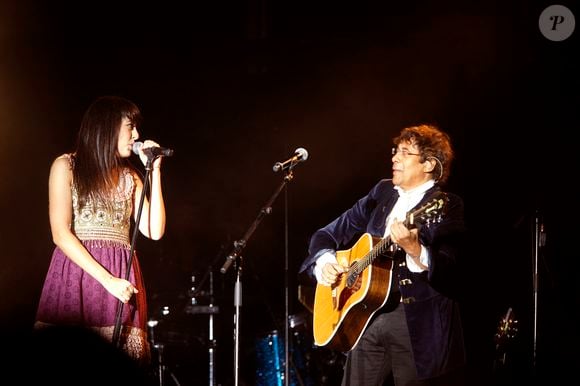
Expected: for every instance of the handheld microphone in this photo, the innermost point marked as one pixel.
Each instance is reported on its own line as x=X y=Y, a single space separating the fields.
x=300 y=155
x=152 y=151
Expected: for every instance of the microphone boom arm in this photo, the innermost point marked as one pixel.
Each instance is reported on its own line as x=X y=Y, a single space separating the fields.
x=239 y=245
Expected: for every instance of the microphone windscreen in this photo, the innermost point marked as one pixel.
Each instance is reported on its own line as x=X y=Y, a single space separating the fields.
x=136 y=147
x=302 y=153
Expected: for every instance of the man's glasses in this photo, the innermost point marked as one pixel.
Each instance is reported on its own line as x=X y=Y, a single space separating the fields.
x=403 y=152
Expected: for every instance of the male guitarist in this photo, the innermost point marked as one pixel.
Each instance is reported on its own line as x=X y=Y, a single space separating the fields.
x=411 y=333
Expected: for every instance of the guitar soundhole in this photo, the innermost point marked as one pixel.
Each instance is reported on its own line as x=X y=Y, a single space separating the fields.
x=348 y=291
x=351 y=280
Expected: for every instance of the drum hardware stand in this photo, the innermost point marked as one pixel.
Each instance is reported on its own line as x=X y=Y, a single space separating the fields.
x=210 y=310
x=159 y=347
x=211 y=340
x=236 y=256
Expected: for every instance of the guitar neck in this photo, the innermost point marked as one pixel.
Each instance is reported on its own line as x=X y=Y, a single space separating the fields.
x=368 y=259
x=427 y=212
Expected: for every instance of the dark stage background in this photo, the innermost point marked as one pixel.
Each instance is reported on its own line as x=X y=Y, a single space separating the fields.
x=234 y=86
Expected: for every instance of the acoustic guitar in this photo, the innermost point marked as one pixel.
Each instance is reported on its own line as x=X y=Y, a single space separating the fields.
x=341 y=312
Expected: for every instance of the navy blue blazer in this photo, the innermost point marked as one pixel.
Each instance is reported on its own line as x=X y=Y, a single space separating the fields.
x=429 y=297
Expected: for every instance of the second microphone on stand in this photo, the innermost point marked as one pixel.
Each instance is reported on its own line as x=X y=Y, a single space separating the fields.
x=300 y=155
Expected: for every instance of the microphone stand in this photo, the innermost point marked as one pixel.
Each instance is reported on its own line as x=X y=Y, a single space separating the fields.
x=117 y=331
x=236 y=255
x=539 y=243
x=286 y=299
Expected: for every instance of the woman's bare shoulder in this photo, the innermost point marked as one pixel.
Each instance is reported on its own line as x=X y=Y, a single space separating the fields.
x=63 y=162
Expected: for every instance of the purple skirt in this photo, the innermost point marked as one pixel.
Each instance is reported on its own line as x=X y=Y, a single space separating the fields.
x=71 y=297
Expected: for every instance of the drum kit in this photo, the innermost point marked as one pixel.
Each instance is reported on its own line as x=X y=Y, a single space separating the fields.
x=309 y=365
x=180 y=341
x=181 y=335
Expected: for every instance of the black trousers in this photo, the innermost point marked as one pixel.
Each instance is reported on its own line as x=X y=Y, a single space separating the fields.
x=383 y=356
x=383 y=350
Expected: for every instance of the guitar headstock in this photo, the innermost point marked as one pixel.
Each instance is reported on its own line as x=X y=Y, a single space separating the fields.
x=430 y=212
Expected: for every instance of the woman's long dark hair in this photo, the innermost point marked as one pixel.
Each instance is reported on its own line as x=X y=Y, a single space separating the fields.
x=96 y=161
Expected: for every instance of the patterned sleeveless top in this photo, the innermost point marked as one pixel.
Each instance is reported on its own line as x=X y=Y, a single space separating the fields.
x=99 y=222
